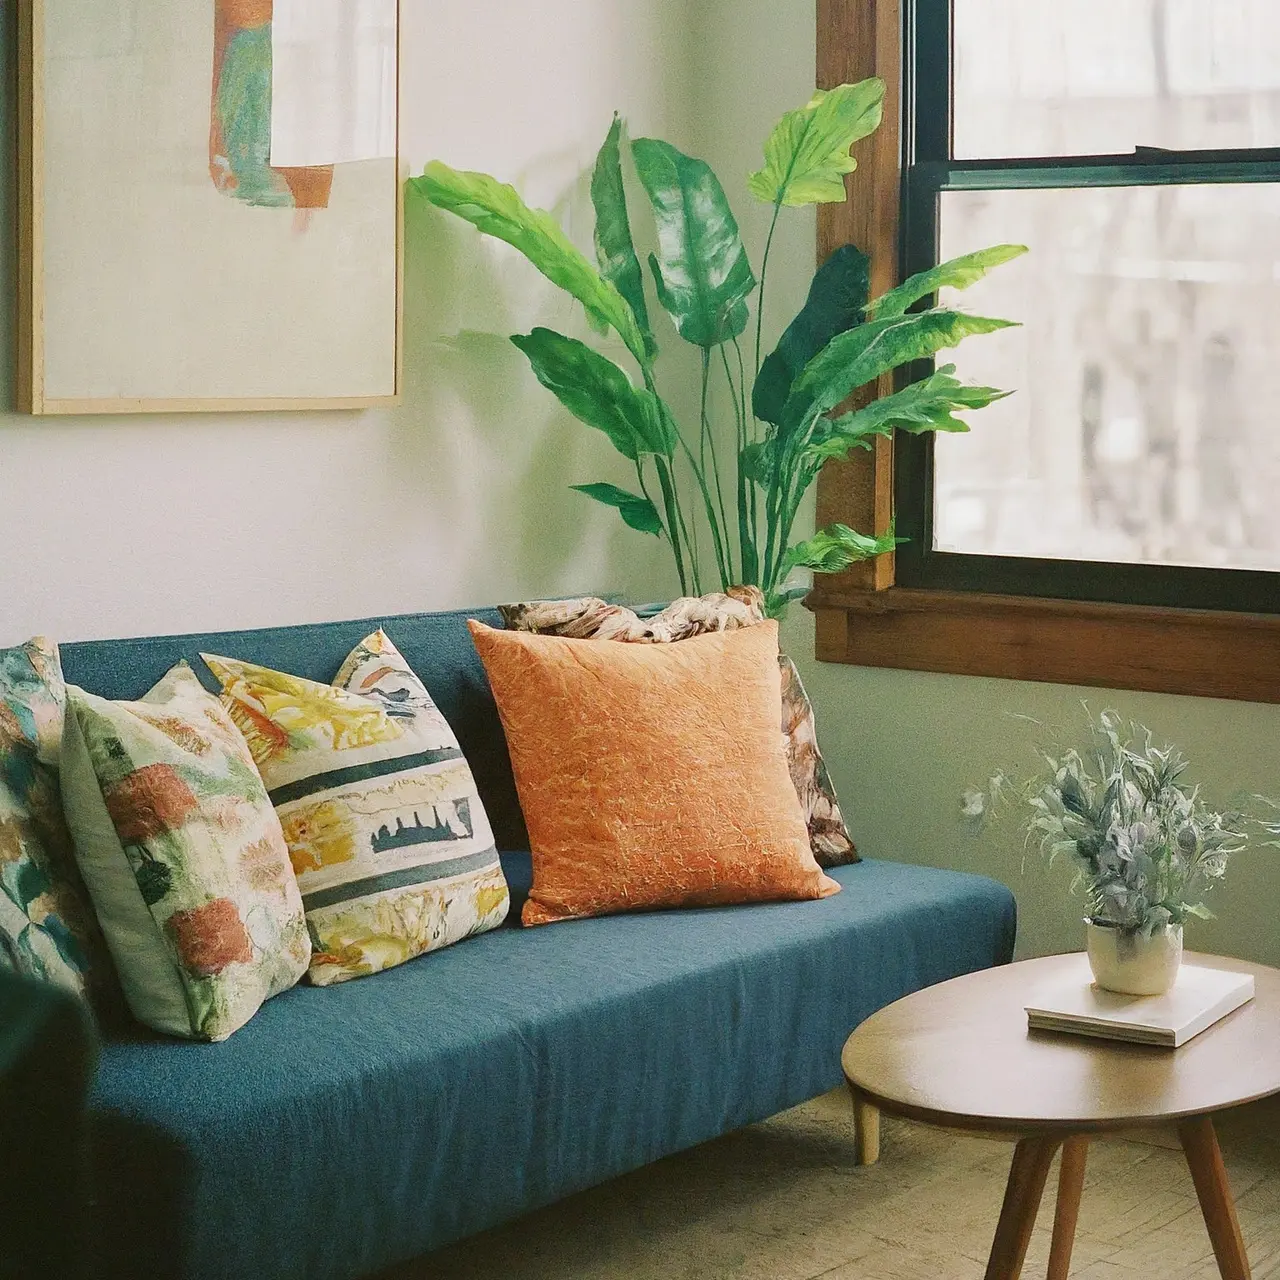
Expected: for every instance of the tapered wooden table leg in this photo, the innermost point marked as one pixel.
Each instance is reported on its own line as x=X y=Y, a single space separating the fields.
x=1031 y=1160
x=866 y=1129
x=1200 y=1144
x=1070 y=1184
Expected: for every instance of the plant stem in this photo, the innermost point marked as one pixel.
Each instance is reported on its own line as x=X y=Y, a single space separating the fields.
x=709 y=437
x=781 y=509
x=802 y=476
x=708 y=506
x=746 y=549
x=764 y=267
x=751 y=539
x=691 y=544
x=738 y=422
x=644 y=489
x=678 y=530
x=704 y=428
x=771 y=524
x=709 y=509
x=675 y=521
x=790 y=506
x=804 y=473
x=766 y=579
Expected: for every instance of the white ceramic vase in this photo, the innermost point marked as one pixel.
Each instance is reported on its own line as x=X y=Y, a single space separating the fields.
x=1132 y=964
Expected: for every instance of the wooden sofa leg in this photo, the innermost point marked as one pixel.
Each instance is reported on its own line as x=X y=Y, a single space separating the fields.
x=866 y=1129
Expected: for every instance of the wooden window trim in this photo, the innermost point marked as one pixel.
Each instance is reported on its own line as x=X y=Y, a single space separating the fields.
x=862 y=617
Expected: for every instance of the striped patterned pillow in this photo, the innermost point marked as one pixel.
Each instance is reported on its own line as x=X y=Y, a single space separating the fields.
x=389 y=840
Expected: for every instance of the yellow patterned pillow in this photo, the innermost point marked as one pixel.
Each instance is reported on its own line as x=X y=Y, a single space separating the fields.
x=391 y=845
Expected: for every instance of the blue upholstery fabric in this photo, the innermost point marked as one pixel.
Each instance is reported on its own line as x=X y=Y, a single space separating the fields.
x=436 y=645
x=349 y=1127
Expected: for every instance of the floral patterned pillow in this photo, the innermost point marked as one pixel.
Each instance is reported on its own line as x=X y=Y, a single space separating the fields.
x=389 y=839
x=183 y=857
x=47 y=929
x=589 y=618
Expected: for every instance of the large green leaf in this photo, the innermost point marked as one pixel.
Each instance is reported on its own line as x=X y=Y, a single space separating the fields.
x=615 y=250
x=807 y=154
x=701 y=269
x=927 y=405
x=857 y=356
x=635 y=511
x=497 y=210
x=837 y=547
x=958 y=273
x=835 y=303
x=598 y=393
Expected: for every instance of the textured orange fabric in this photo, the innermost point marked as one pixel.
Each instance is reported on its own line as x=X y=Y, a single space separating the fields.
x=650 y=775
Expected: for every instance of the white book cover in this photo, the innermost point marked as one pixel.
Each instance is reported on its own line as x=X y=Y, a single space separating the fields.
x=1198 y=999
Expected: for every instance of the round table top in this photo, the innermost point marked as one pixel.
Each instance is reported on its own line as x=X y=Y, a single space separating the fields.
x=961 y=1054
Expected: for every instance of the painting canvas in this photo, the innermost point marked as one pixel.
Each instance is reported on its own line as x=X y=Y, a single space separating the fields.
x=210 y=213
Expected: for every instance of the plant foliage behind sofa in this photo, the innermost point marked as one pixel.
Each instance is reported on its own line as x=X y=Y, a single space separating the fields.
x=742 y=515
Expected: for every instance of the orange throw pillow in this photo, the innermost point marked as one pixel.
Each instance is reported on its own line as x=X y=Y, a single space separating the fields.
x=650 y=775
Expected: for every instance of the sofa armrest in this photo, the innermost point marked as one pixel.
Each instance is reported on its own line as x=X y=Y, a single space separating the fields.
x=47 y=1055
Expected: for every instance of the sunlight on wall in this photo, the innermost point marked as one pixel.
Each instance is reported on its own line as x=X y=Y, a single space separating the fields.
x=131 y=526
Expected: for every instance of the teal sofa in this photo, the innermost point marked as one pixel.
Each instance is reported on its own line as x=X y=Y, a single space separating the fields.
x=348 y=1128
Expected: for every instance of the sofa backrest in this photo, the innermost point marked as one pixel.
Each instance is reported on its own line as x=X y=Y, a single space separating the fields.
x=436 y=645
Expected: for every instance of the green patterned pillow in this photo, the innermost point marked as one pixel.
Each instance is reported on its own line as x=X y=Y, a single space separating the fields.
x=390 y=842
x=183 y=857
x=47 y=929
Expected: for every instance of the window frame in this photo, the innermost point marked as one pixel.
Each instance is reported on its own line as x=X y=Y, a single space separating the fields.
x=930 y=172
x=876 y=616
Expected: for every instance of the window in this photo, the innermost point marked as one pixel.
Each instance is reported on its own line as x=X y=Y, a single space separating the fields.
x=1134 y=145
x=1118 y=528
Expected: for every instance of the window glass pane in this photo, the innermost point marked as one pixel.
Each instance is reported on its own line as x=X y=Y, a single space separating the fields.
x=1094 y=77
x=1147 y=376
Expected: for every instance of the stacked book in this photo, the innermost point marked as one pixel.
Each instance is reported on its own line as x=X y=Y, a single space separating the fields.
x=1199 y=998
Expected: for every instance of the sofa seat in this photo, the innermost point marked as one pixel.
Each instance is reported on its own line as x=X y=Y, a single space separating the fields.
x=346 y=1128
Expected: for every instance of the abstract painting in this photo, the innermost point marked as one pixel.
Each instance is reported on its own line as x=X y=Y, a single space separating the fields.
x=240 y=115
x=209 y=205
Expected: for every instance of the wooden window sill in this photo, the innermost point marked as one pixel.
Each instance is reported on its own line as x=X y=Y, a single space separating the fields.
x=1109 y=646
x=862 y=617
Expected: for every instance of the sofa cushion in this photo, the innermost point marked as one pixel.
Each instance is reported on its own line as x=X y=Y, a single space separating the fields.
x=183 y=856
x=375 y=1120
x=651 y=775
x=47 y=928
x=435 y=645
x=388 y=835
x=590 y=618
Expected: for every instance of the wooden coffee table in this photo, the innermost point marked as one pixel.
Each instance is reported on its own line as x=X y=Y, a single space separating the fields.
x=960 y=1055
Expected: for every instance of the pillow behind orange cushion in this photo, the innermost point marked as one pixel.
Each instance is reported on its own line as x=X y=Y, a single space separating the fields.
x=650 y=775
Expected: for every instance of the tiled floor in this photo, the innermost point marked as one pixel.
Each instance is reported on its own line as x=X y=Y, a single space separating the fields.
x=784 y=1201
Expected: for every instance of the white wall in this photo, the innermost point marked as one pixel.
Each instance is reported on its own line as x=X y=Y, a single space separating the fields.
x=153 y=524
x=148 y=525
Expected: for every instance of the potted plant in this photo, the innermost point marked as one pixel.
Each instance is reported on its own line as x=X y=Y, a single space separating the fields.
x=1147 y=847
x=730 y=518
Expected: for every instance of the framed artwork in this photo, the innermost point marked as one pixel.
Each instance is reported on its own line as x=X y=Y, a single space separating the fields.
x=209 y=205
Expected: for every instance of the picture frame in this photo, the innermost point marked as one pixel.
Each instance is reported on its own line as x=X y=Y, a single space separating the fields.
x=183 y=246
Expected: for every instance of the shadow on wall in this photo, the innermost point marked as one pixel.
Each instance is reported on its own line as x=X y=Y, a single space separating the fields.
x=478 y=430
